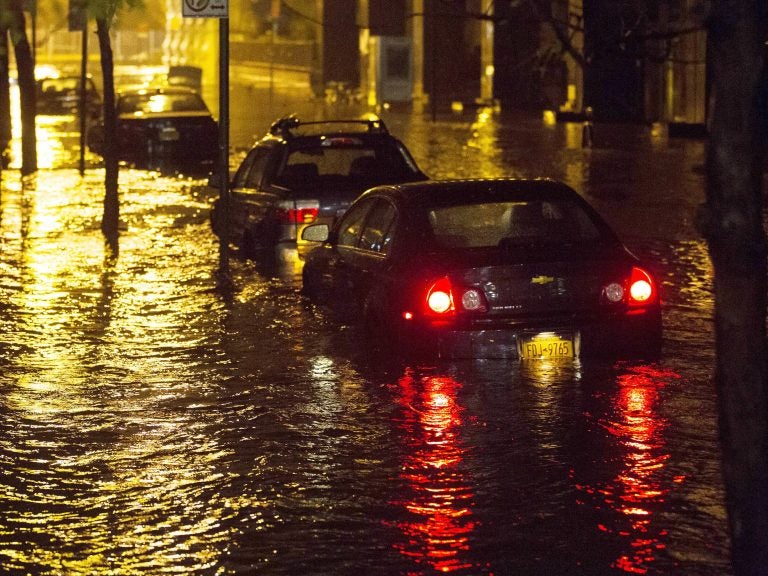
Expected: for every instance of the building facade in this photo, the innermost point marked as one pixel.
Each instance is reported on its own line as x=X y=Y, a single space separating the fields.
x=532 y=55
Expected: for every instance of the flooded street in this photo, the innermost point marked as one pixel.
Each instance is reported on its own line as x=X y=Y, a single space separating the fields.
x=151 y=424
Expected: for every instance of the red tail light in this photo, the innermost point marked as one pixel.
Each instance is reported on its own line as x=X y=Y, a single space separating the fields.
x=440 y=297
x=642 y=290
x=443 y=298
x=638 y=289
x=297 y=215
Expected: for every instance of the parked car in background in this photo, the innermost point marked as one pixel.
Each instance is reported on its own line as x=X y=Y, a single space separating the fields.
x=166 y=127
x=302 y=172
x=57 y=96
x=484 y=268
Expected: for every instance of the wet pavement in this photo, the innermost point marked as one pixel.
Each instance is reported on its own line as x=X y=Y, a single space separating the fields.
x=151 y=424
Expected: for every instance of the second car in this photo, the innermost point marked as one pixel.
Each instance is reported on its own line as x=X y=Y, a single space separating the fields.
x=304 y=172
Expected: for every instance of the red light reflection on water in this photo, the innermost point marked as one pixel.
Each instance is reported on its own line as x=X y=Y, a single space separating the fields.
x=439 y=501
x=635 y=428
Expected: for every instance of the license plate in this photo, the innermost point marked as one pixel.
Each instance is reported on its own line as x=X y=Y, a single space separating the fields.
x=546 y=345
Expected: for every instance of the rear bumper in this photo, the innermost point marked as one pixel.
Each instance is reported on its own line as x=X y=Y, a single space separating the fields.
x=170 y=151
x=626 y=336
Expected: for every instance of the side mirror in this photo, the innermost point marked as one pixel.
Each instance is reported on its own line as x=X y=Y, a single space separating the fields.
x=315 y=233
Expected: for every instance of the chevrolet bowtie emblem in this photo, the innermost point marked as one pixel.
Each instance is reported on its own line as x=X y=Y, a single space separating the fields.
x=542 y=279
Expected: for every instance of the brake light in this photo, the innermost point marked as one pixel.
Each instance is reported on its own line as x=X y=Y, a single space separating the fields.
x=637 y=290
x=297 y=215
x=641 y=288
x=443 y=298
x=440 y=297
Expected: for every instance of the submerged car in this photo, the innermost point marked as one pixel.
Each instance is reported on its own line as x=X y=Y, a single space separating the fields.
x=57 y=96
x=302 y=172
x=163 y=127
x=500 y=268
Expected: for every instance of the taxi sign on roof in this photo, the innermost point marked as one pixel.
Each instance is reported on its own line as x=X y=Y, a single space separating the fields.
x=205 y=9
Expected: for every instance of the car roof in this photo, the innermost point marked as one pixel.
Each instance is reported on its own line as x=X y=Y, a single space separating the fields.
x=292 y=126
x=63 y=77
x=457 y=190
x=297 y=133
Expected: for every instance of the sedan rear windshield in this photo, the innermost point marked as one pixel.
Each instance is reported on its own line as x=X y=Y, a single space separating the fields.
x=156 y=103
x=510 y=224
x=58 y=85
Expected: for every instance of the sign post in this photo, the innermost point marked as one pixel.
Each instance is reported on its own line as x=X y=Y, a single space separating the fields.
x=205 y=9
x=83 y=96
x=219 y=9
x=224 y=149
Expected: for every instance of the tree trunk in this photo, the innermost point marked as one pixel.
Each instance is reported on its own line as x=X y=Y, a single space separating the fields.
x=25 y=67
x=731 y=221
x=111 y=216
x=5 y=97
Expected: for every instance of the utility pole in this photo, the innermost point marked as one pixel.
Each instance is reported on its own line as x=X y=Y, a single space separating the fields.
x=417 y=38
x=486 y=53
x=274 y=15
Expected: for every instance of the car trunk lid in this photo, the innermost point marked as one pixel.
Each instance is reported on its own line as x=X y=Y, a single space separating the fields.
x=538 y=285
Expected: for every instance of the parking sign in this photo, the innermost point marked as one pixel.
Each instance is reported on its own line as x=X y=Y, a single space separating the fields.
x=205 y=9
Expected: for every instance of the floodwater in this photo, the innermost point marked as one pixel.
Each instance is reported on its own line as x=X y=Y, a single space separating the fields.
x=152 y=424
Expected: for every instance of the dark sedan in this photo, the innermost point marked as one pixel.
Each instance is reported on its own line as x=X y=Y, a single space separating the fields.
x=164 y=127
x=485 y=268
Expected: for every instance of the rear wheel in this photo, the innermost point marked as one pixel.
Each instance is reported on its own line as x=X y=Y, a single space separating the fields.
x=377 y=331
x=386 y=331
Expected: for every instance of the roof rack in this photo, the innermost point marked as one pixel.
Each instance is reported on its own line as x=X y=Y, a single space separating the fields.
x=284 y=126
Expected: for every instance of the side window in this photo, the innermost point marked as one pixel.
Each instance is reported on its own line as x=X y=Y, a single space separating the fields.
x=379 y=228
x=351 y=225
x=250 y=172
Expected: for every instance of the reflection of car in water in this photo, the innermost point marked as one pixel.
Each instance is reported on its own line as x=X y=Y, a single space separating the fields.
x=163 y=127
x=302 y=172
x=59 y=96
x=484 y=268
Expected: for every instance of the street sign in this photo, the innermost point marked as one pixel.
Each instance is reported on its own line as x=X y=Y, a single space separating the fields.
x=205 y=9
x=77 y=16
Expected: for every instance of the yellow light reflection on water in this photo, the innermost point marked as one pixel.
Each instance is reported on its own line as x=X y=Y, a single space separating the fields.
x=114 y=468
x=484 y=145
x=58 y=138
